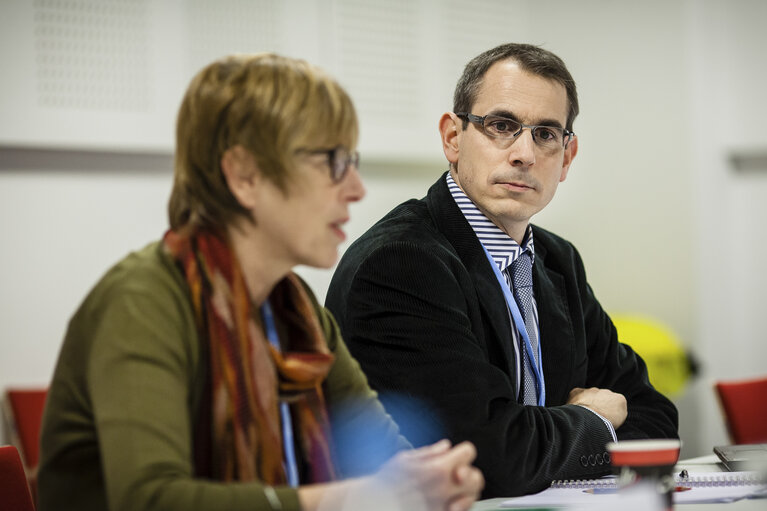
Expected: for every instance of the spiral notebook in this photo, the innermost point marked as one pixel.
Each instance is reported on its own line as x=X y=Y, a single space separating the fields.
x=695 y=488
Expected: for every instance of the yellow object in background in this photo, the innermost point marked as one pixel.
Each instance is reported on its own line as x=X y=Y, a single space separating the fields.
x=668 y=365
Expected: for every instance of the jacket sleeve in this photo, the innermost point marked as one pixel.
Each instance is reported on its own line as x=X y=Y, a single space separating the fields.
x=409 y=314
x=141 y=381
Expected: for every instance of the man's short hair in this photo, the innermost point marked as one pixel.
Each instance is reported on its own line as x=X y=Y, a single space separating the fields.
x=530 y=58
x=268 y=104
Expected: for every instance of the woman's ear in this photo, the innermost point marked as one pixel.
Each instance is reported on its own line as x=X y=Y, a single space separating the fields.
x=450 y=129
x=241 y=173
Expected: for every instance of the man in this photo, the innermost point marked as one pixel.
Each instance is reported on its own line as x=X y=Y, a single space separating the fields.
x=436 y=303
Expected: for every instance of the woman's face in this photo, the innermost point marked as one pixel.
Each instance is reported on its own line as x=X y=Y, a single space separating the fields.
x=304 y=225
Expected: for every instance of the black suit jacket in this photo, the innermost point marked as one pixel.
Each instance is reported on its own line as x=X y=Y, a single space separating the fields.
x=420 y=308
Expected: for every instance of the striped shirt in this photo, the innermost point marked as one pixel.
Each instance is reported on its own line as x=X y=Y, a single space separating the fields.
x=504 y=250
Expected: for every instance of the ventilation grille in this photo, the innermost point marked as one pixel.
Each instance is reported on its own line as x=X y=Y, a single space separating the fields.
x=473 y=27
x=93 y=54
x=377 y=48
x=224 y=27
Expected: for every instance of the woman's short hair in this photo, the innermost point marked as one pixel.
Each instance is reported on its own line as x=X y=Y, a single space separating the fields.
x=269 y=104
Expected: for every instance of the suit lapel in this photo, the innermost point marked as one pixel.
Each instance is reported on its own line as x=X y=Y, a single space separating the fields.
x=454 y=227
x=556 y=330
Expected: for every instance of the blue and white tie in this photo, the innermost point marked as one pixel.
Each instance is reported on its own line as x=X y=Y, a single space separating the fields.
x=522 y=277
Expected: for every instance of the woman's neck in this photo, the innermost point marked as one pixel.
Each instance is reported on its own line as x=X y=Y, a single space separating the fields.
x=260 y=268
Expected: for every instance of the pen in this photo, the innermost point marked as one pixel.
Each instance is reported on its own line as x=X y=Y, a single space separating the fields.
x=601 y=491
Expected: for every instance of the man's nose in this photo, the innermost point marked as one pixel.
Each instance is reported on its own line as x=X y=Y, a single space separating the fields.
x=522 y=150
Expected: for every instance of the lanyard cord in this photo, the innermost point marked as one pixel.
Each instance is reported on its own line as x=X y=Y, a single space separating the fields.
x=289 y=463
x=535 y=363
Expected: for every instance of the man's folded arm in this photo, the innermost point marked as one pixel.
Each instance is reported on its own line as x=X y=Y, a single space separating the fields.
x=617 y=367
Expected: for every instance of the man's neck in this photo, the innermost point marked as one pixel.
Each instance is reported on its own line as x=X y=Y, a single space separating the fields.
x=514 y=230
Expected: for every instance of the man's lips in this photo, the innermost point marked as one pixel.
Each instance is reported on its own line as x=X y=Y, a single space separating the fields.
x=516 y=186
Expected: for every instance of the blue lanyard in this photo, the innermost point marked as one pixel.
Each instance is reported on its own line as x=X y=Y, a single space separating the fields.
x=522 y=329
x=289 y=464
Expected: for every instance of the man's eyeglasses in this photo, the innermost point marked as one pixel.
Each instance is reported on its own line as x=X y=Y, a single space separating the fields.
x=495 y=126
x=339 y=160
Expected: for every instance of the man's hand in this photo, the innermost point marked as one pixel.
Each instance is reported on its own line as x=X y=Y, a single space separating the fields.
x=608 y=404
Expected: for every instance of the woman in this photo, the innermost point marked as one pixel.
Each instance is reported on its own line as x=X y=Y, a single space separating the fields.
x=200 y=373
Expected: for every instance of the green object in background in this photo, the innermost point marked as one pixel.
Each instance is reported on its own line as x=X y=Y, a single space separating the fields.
x=668 y=364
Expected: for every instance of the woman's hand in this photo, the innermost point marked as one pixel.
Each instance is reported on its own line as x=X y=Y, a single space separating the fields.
x=437 y=477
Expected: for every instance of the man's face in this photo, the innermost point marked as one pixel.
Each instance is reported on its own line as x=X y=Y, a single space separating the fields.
x=510 y=180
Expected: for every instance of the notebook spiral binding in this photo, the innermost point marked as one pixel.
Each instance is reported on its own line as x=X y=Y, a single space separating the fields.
x=722 y=479
x=697 y=481
x=585 y=483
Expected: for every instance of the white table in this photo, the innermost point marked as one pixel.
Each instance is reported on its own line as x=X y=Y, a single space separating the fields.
x=708 y=463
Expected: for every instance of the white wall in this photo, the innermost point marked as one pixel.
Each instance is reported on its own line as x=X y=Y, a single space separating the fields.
x=729 y=71
x=61 y=230
x=648 y=193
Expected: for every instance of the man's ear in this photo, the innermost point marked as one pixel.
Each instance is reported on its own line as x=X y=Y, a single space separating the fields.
x=450 y=130
x=241 y=173
x=570 y=151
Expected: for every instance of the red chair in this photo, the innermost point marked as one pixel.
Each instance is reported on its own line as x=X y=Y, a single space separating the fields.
x=14 y=492
x=744 y=404
x=24 y=412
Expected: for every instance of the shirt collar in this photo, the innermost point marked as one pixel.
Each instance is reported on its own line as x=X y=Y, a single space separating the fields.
x=502 y=247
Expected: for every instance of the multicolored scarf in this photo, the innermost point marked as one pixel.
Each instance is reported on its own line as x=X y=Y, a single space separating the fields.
x=248 y=376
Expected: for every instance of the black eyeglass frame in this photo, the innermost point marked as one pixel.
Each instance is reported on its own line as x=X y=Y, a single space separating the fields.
x=567 y=135
x=339 y=160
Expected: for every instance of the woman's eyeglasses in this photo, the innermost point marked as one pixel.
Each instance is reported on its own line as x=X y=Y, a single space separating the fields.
x=339 y=160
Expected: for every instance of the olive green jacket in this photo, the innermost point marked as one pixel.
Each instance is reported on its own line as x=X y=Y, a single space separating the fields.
x=122 y=407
